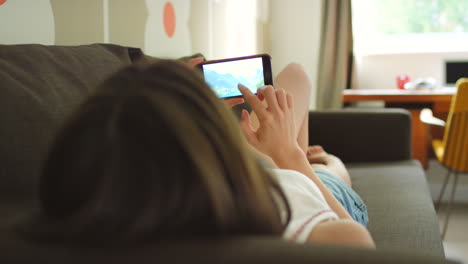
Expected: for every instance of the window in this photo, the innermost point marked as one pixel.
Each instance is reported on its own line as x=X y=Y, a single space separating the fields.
x=410 y=26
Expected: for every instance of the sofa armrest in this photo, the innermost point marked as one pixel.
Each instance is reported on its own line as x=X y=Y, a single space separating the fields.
x=362 y=135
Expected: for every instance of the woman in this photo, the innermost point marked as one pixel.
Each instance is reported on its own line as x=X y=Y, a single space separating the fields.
x=154 y=155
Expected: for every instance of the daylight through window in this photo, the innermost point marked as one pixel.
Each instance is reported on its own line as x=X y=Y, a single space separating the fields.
x=394 y=26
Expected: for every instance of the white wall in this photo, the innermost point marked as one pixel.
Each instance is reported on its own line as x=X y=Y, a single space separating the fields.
x=23 y=21
x=295 y=36
x=380 y=71
x=200 y=25
x=224 y=28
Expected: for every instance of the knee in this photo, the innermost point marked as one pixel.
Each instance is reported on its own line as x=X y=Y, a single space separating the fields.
x=294 y=68
x=294 y=73
x=294 y=79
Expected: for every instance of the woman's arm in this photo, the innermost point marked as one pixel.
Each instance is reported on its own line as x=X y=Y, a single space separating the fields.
x=276 y=134
x=296 y=160
x=341 y=232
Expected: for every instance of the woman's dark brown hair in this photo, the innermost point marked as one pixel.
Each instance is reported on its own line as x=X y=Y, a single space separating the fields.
x=152 y=155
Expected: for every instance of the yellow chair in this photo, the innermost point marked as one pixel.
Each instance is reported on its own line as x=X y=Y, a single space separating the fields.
x=452 y=150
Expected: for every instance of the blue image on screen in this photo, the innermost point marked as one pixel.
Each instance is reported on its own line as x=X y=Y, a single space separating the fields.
x=223 y=77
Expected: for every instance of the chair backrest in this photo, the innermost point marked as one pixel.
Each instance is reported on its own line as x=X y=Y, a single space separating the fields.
x=456 y=130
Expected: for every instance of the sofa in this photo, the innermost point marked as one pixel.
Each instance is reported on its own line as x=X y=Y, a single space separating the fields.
x=41 y=85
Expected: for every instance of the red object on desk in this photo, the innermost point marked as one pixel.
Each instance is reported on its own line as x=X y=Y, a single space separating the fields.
x=401 y=80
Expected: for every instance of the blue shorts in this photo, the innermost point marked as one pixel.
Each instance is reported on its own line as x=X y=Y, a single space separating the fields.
x=350 y=200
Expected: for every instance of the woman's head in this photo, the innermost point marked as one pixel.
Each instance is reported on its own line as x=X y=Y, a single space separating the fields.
x=154 y=154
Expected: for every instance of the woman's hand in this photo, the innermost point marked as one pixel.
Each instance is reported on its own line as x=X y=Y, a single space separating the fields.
x=276 y=134
x=231 y=102
x=195 y=61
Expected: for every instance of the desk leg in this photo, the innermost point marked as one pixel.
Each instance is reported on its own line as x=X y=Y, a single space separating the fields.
x=420 y=138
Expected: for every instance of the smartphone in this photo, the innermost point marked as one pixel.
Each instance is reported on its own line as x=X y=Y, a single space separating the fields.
x=224 y=75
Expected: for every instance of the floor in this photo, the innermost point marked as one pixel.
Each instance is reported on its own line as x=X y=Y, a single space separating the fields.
x=456 y=239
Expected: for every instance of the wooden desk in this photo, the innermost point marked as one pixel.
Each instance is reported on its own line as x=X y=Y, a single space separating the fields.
x=413 y=100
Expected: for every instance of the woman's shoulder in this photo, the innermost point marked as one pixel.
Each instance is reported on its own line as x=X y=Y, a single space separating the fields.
x=290 y=179
x=308 y=206
x=282 y=174
x=290 y=176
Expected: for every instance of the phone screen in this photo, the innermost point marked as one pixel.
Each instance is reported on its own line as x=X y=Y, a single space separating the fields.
x=224 y=76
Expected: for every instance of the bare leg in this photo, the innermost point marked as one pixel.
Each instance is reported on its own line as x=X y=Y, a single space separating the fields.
x=320 y=159
x=295 y=81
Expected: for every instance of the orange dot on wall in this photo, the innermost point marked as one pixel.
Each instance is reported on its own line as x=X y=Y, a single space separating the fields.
x=2 y=2
x=169 y=19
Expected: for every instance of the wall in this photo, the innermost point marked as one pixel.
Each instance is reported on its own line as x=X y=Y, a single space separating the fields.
x=226 y=28
x=159 y=27
x=77 y=22
x=200 y=25
x=23 y=21
x=295 y=36
x=380 y=71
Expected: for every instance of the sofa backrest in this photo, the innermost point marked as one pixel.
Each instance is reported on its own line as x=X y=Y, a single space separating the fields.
x=245 y=249
x=363 y=135
x=39 y=87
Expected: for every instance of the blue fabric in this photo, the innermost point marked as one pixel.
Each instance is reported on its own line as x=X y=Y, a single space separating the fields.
x=350 y=200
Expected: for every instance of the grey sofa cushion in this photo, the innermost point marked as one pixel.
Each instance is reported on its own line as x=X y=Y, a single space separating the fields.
x=39 y=87
x=401 y=212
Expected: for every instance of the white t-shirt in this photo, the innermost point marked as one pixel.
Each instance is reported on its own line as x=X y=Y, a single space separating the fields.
x=308 y=206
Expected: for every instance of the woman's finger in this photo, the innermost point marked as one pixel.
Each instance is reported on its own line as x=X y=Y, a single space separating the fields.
x=281 y=98
x=289 y=99
x=260 y=93
x=270 y=97
x=194 y=61
x=231 y=102
x=253 y=101
x=246 y=128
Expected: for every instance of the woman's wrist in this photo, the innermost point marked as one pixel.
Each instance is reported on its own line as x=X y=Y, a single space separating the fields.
x=291 y=159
